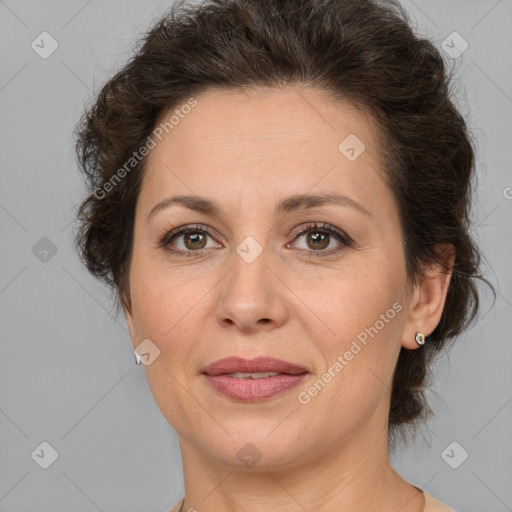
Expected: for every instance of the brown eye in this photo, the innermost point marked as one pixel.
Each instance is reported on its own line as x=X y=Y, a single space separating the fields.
x=187 y=241
x=194 y=240
x=321 y=240
x=317 y=240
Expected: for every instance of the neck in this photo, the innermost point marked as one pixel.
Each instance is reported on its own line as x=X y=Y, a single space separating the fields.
x=355 y=475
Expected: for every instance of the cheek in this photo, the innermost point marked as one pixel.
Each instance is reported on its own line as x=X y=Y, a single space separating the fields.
x=358 y=362
x=365 y=317
x=162 y=299
x=356 y=298
x=168 y=310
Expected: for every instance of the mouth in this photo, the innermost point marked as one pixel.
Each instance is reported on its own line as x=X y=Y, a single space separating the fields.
x=253 y=380
x=256 y=368
x=255 y=375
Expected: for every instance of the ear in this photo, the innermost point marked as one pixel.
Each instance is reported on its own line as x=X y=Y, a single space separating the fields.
x=429 y=296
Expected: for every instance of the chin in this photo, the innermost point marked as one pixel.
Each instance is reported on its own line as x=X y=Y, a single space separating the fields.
x=257 y=445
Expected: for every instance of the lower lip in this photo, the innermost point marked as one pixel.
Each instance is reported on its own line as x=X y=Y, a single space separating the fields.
x=254 y=390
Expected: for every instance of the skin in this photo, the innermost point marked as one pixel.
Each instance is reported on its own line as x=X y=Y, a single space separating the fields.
x=247 y=151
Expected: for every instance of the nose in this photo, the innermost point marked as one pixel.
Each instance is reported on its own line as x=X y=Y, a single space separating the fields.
x=252 y=297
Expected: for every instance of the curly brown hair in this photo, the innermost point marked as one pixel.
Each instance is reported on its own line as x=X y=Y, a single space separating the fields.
x=360 y=50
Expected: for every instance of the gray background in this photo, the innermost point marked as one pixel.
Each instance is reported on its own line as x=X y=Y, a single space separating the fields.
x=67 y=374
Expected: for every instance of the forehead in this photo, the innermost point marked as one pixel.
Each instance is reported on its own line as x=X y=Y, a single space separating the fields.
x=290 y=114
x=260 y=141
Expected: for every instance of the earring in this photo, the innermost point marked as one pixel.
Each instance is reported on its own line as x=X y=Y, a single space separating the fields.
x=420 y=338
x=138 y=360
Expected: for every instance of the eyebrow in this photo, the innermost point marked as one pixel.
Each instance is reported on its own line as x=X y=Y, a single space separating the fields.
x=286 y=205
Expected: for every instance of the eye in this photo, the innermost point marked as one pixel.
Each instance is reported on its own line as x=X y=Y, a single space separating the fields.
x=186 y=240
x=320 y=238
x=190 y=240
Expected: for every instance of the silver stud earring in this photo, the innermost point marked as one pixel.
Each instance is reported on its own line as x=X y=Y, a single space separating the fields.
x=420 y=338
x=138 y=359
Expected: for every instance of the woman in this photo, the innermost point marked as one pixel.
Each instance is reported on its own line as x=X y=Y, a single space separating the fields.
x=279 y=196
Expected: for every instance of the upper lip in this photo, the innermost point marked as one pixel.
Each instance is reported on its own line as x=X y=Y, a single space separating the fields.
x=259 y=364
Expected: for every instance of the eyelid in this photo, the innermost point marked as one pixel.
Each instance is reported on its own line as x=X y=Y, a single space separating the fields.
x=345 y=241
x=322 y=226
x=341 y=236
x=168 y=235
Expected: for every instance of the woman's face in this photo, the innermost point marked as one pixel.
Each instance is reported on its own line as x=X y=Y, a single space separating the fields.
x=257 y=278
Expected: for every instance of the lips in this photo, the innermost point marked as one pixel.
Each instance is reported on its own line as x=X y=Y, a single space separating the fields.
x=253 y=380
x=231 y=365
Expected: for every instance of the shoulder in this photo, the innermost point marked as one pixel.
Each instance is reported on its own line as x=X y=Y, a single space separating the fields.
x=177 y=507
x=433 y=505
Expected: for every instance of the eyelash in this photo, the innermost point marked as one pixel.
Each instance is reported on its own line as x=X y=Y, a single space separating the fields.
x=320 y=227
